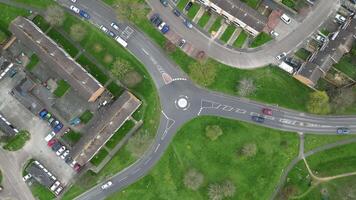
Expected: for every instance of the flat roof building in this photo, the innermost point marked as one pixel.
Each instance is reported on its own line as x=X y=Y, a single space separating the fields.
x=103 y=126
x=40 y=175
x=56 y=58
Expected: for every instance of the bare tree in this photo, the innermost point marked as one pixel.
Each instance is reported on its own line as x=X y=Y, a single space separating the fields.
x=77 y=32
x=193 y=179
x=54 y=15
x=343 y=99
x=215 y=192
x=130 y=10
x=213 y=132
x=139 y=143
x=132 y=78
x=249 y=150
x=120 y=67
x=228 y=188
x=246 y=87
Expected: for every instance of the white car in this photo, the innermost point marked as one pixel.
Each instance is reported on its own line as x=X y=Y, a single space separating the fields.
x=104 y=29
x=55 y=185
x=65 y=154
x=73 y=1
x=106 y=185
x=74 y=9
x=25 y=178
x=50 y=136
x=282 y=55
x=58 y=190
x=73 y=163
x=286 y=19
x=115 y=26
x=161 y=25
x=340 y=18
x=274 y=33
x=61 y=150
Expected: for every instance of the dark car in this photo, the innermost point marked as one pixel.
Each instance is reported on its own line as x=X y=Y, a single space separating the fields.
x=77 y=167
x=156 y=20
x=68 y=160
x=188 y=6
x=181 y=43
x=164 y=2
x=57 y=145
x=111 y=34
x=57 y=128
x=342 y=130
x=54 y=123
x=188 y=24
x=267 y=111
x=84 y=14
x=176 y=12
x=43 y=113
x=258 y=119
x=165 y=29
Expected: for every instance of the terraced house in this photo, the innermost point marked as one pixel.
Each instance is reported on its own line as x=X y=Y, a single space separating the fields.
x=239 y=14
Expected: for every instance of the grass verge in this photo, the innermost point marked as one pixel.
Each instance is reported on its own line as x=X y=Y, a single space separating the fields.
x=18 y=141
x=62 y=87
x=99 y=157
x=204 y=19
x=117 y=137
x=261 y=39
x=240 y=40
x=216 y=25
x=72 y=137
x=227 y=33
x=40 y=192
x=193 y=11
x=7 y=14
x=86 y=116
x=115 y=89
x=33 y=62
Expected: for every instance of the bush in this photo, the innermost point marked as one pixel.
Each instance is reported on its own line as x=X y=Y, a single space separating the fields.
x=203 y=73
x=193 y=179
x=249 y=150
x=213 y=132
x=132 y=78
x=77 y=32
x=318 y=103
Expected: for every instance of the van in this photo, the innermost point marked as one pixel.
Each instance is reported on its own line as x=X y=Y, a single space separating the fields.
x=286 y=19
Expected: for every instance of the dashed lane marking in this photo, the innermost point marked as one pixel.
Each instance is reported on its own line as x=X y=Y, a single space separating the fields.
x=157 y=147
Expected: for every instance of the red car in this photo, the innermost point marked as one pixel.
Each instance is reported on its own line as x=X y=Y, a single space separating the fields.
x=51 y=142
x=267 y=111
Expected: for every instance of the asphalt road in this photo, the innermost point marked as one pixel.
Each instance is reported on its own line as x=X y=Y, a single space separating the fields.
x=173 y=86
x=250 y=58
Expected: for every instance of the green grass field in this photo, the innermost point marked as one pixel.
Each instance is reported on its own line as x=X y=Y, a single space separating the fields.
x=37 y=3
x=33 y=62
x=86 y=116
x=18 y=141
x=99 y=157
x=93 y=69
x=252 y=3
x=227 y=33
x=41 y=23
x=7 y=14
x=193 y=11
x=216 y=25
x=72 y=137
x=3 y=37
x=347 y=65
x=260 y=39
x=204 y=19
x=116 y=138
x=62 y=87
x=240 y=40
x=313 y=141
x=303 y=54
x=40 y=192
x=115 y=89
x=63 y=42
x=217 y=160
x=181 y=4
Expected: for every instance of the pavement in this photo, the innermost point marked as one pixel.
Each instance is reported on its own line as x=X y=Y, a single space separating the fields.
x=181 y=100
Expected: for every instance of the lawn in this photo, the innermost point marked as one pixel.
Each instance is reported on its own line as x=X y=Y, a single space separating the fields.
x=33 y=62
x=289 y=3
x=193 y=11
x=240 y=40
x=252 y=3
x=18 y=141
x=86 y=116
x=99 y=157
x=37 y=3
x=204 y=19
x=261 y=39
x=7 y=14
x=313 y=141
x=303 y=54
x=40 y=192
x=216 y=25
x=181 y=4
x=41 y=23
x=115 y=89
x=93 y=69
x=217 y=160
x=3 y=37
x=227 y=33
x=347 y=65
x=116 y=138
x=72 y=137
x=63 y=42
x=62 y=87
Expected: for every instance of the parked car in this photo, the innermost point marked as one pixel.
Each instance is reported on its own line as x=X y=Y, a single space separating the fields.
x=181 y=43
x=60 y=150
x=68 y=160
x=84 y=14
x=258 y=119
x=160 y=27
x=58 y=190
x=342 y=130
x=188 y=24
x=73 y=1
x=25 y=178
x=106 y=185
x=112 y=34
x=267 y=111
x=164 y=2
x=65 y=154
x=320 y=38
x=50 y=120
x=176 y=12
x=48 y=116
x=55 y=185
x=282 y=55
x=340 y=19
x=156 y=20
x=188 y=6
x=165 y=29
x=115 y=26
x=58 y=128
x=54 y=123
x=43 y=113
x=104 y=29
x=74 y=9
x=57 y=145
x=286 y=19
x=274 y=33
x=50 y=136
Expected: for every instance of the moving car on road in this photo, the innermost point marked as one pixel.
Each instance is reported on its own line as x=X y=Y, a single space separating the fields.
x=106 y=185
x=267 y=111
x=258 y=119
x=342 y=130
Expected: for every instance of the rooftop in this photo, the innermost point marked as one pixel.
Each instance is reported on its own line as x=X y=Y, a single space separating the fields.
x=40 y=175
x=55 y=57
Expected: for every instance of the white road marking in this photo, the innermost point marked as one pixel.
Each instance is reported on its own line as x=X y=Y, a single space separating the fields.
x=164 y=135
x=123 y=179
x=136 y=170
x=148 y=160
x=238 y=110
x=144 y=51
x=157 y=147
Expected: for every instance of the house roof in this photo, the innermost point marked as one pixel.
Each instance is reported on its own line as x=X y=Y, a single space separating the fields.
x=243 y=12
x=104 y=124
x=56 y=58
x=41 y=176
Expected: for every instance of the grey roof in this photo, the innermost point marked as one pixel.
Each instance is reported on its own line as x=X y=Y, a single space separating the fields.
x=243 y=12
x=332 y=54
x=22 y=92
x=40 y=175
x=56 y=58
x=104 y=124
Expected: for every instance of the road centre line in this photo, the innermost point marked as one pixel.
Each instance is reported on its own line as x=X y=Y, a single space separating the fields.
x=148 y=160
x=159 y=144
x=144 y=51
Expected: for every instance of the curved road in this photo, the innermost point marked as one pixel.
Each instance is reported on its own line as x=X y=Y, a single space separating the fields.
x=251 y=58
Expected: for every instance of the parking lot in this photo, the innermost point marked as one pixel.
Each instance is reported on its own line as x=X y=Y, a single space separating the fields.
x=36 y=147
